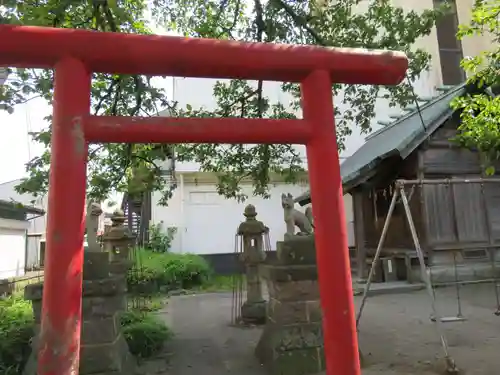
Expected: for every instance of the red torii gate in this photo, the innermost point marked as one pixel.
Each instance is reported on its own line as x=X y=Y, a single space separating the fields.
x=75 y=54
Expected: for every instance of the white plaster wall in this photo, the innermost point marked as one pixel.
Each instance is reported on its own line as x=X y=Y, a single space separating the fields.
x=198 y=93
x=12 y=248
x=472 y=46
x=207 y=222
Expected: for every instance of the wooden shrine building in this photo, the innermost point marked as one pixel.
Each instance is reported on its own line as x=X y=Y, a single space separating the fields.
x=456 y=223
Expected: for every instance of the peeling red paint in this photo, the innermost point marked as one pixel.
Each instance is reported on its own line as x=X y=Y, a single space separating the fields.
x=58 y=351
x=78 y=135
x=59 y=341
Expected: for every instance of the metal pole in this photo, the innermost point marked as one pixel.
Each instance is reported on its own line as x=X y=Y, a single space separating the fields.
x=457 y=286
x=491 y=251
x=495 y=279
x=59 y=345
x=377 y=256
x=451 y=367
x=234 y=277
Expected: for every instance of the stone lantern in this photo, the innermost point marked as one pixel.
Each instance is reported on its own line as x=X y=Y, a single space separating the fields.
x=252 y=231
x=117 y=241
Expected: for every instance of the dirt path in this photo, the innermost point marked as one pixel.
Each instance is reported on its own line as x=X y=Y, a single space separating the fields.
x=396 y=336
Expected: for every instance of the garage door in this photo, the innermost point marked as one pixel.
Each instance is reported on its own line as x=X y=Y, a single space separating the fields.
x=12 y=246
x=211 y=223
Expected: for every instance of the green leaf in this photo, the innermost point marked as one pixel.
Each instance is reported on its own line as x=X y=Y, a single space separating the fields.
x=480 y=112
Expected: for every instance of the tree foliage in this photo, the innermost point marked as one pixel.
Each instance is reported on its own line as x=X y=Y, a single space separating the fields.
x=118 y=167
x=480 y=116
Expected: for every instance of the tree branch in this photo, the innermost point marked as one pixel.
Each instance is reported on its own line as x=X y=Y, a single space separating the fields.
x=300 y=21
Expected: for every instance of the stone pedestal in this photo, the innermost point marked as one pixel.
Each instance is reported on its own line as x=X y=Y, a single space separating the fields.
x=253 y=310
x=103 y=349
x=292 y=341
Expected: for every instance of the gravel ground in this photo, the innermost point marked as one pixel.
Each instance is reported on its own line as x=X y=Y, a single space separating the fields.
x=396 y=336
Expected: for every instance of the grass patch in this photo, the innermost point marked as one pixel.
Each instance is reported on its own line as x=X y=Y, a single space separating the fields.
x=147 y=303
x=219 y=283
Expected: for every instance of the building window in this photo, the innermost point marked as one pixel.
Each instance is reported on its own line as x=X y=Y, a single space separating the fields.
x=450 y=48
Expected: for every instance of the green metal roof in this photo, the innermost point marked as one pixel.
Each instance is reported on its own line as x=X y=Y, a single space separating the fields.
x=16 y=206
x=398 y=138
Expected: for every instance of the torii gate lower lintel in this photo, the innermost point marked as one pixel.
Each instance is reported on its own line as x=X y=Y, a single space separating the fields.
x=75 y=54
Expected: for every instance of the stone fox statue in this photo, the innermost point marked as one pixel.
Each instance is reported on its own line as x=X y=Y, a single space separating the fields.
x=294 y=217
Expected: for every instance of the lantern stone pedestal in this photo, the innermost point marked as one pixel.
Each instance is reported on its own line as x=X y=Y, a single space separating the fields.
x=292 y=340
x=103 y=349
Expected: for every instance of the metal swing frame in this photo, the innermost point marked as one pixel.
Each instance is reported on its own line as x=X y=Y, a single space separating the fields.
x=426 y=276
x=399 y=192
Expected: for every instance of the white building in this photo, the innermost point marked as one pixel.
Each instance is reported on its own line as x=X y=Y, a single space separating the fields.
x=15 y=221
x=34 y=227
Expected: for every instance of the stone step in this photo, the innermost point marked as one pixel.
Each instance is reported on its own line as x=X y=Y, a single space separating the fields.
x=392 y=287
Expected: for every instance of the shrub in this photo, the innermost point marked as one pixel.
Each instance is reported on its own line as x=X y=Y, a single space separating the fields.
x=16 y=331
x=145 y=334
x=158 y=271
x=160 y=240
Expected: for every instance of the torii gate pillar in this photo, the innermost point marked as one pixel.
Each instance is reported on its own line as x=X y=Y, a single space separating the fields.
x=75 y=54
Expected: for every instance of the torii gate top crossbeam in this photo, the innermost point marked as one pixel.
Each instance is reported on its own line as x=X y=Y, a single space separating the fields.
x=37 y=47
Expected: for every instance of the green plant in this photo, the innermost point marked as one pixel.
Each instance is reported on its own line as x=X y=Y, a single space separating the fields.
x=16 y=331
x=480 y=110
x=145 y=334
x=155 y=271
x=159 y=239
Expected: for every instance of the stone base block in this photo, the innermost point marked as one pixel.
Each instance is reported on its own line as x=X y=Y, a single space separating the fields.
x=292 y=341
x=293 y=312
x=98 y=359
x=291 y=349
x=95 y=265
x=106 y=358
x=103 y=350
x=296 y=250
x=93 y=306
x=120 y=267
x=254 y=312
